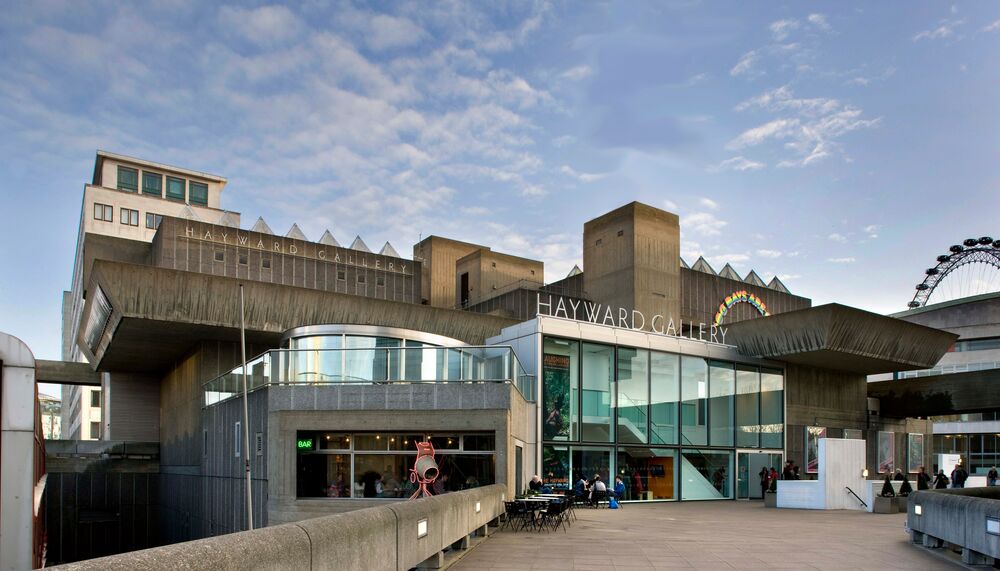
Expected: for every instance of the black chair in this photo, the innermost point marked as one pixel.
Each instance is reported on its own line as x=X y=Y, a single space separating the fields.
x=598 y=496
x=554 y=515
x=516 y=516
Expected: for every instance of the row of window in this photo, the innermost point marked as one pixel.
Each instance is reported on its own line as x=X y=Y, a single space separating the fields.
x=600 y=393
x=265 y=264
x=128 y=216
x=152 y=184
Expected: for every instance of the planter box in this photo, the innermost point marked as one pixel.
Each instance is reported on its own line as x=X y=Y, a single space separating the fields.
x=903 y=503
x=885 y=505
x=770 y=500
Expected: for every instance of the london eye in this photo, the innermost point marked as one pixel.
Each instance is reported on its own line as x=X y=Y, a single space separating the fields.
x=970 y=268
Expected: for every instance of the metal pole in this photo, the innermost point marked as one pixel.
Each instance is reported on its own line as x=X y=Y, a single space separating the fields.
x=246 y=413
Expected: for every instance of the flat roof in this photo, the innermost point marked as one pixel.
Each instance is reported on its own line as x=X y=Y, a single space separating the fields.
x=154 y=165
x=946 y=304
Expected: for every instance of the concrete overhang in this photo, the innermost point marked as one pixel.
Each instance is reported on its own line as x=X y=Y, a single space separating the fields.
x=159 y=315
x=66 y=373
x=841 y=338
x=954 y=393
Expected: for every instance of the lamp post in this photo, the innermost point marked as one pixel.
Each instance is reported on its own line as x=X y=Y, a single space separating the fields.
x=246 y=413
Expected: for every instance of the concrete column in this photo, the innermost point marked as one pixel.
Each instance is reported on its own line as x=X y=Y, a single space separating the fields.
x=17 y=430
x=483 y=531
x=930 y=541
x=916 y=537
x=435 y=561
x=970 y=557
x=465 y=542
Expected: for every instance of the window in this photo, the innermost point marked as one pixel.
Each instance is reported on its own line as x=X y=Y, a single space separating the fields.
x=259 y=443
x=153 y=220
x=664 y=395
x=621 y=233
x=633 y=388
x=265 y=263
x=237 y=439
x=175 y=188
x=341 y=275
x=204 y=443
x=560 y=389
x=772 y=402
x=104 y=212
x=599 y=242
x=220 y=256
x=128 y=179
x=747 y=406
x=494 y=264
x=694 y=400
x=152 y=183
x=129 y=217
x=361 y=278
x=95 y=398
x=380 y=281
x=198 y=192
x=243 y=259
x=721 y=403
x=95 y=430
x=595 y=388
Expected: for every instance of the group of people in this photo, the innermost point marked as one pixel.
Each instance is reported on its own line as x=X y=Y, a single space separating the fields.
x=789 y=472
x=959 y=476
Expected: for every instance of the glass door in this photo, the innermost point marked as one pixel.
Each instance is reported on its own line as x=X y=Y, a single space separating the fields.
x=749 y=464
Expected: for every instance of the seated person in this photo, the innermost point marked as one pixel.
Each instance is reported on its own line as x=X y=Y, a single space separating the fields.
x=619 y=488
x=535 y=484
x=581 y=487
x=597 y=486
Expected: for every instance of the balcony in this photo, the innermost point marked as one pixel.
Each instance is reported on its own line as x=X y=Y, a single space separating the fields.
x=379 y=365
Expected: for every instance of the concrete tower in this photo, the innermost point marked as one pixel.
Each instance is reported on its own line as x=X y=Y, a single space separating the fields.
x=631 y=259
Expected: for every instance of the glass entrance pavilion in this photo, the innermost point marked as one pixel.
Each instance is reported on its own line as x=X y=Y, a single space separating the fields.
x=675 y=418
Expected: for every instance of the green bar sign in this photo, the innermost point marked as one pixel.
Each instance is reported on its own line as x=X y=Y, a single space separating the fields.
x=305 y=443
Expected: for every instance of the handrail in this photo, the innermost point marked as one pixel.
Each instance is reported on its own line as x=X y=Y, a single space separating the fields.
x=848 y=488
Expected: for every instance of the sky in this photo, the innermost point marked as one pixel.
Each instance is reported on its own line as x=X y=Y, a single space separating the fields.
x=840 y=146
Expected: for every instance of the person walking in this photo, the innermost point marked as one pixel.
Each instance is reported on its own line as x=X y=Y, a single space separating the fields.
x=958 y=477
x=992 y=477
x=940 y=481
x=923 y=479
x=899 y=477
x=765 y=480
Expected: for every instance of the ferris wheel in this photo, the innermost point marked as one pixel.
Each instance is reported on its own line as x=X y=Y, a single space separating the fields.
x=972 y=268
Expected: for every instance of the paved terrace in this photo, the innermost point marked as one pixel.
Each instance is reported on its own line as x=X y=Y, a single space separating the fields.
x=710 y=535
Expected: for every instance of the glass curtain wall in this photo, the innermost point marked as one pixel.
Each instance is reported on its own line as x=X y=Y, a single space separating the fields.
x=671 y=422
x=722 y=388
x=747 y=407
x=633 y=395
x=560 y=389
x=694 y=400
x=772 y=408
x=664 y=390
x=598 y=375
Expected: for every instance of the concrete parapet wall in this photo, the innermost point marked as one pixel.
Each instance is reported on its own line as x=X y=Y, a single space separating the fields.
x=956 y=516
x=375 y=538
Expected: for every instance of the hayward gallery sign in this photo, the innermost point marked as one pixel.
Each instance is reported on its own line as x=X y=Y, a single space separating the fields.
x=600 y=314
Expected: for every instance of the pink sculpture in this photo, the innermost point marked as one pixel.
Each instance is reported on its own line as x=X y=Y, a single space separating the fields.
x=425 y=469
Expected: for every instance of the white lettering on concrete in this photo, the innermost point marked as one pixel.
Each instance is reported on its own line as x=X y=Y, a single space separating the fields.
x=608 y=316
x=575 y=304
x=561 y=306
x=641 y=316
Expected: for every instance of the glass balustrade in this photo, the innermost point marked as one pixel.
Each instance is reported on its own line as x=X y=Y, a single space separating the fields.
x=374 y=365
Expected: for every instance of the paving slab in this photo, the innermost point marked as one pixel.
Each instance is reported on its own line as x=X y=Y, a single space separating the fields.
x=710 y=535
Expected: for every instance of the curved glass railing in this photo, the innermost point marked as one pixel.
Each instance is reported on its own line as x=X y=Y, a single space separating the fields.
x=375 y=365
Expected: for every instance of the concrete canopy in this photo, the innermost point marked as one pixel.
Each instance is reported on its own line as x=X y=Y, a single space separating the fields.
x=841 y=338
x=954 y=393
x=159 y=315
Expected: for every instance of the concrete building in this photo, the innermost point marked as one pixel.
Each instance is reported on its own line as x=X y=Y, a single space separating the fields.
x=685 y=380
x=958 y=393
x=51 y=411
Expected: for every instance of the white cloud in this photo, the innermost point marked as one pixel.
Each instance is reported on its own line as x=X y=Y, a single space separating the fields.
x=811 y=130
x=736 y=260
x=670 y=205
x=769 y=253
x=533 y=191
x=777 y=129
x=563 y=140
x=703 y=223
x=872 y=231
x=739 y=163
x=267 y=25
x=389 y=32
x=840 y=260
x=945 y=30
x=837 y=238
x=788 y=277
x=745 y=64
x=781 y=28
x=792 y=254
x=995 y=26
x=577 y=73
x=818 y=20
x=708 y=203
x=581 y=176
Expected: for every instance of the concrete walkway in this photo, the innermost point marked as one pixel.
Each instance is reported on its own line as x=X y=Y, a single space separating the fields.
x=710 y=535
